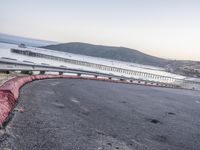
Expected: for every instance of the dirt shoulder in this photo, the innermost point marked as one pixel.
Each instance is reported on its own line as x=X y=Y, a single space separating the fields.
x=5 y=77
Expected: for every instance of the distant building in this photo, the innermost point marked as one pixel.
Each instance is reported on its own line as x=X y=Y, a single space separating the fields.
x=22 y=45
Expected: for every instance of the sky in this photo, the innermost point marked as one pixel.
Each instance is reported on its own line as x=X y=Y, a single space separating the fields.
x=164 y=28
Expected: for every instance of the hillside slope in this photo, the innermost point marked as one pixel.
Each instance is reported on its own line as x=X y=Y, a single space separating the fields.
x=116 y=53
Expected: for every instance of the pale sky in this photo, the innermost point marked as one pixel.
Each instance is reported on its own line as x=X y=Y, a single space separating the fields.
x=165 y=28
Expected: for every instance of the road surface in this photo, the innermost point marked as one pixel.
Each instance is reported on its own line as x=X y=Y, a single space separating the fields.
x=74 y=114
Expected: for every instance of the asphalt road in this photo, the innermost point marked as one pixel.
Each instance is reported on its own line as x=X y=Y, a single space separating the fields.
x=73 y=114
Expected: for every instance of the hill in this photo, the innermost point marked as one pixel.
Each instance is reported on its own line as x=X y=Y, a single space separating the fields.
x=109 y=52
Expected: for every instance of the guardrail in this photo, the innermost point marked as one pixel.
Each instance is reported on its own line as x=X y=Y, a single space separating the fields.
x=13 y=65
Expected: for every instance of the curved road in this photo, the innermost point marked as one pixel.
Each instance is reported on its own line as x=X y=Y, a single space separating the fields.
x=73 y=114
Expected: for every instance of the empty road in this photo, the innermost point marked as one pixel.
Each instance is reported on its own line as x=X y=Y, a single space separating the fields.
x=74 y=114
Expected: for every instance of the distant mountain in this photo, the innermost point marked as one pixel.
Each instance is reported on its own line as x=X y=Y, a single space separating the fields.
x=116 y=53
x=5 y=38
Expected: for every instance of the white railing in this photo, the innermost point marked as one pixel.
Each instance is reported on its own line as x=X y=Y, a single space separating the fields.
x=13 y=65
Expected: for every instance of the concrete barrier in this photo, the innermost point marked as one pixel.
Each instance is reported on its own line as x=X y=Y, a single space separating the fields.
x=7 y=101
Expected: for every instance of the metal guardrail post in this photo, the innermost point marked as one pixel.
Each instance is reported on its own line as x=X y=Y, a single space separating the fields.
x=79 y=74
x=42 y=72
